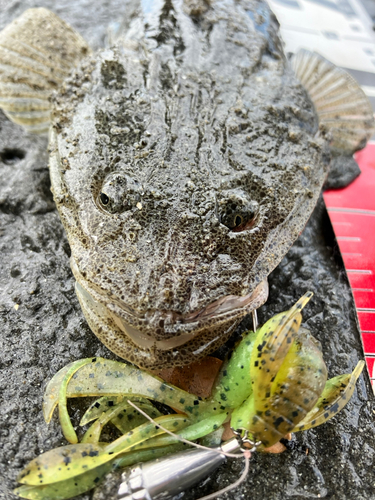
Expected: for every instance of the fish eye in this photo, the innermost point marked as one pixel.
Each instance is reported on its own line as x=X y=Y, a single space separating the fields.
x=238 y=220
x=239 y=217
x=113 y=194
x=119 y=192
x=104 y=199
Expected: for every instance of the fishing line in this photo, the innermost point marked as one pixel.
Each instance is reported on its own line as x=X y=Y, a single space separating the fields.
x=245 y=454
x=220 y=452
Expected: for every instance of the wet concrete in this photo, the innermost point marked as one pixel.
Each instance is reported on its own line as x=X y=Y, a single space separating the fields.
x=43 y=329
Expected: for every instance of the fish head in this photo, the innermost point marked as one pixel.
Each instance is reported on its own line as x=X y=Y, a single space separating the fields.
x=179 y=201
x=184 y=161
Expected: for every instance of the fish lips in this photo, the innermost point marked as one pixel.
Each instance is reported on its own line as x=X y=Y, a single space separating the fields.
x=167 y=330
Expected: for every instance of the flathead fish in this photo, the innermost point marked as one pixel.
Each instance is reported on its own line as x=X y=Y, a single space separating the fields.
x=185 y=160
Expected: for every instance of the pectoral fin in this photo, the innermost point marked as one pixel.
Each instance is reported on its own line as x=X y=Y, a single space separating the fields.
x=37 y=52
x=343 y=108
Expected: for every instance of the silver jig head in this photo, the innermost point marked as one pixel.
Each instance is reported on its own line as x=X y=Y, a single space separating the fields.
x=168 y=476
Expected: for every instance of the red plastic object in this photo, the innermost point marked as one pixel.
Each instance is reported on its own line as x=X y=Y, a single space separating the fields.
x=352 y=213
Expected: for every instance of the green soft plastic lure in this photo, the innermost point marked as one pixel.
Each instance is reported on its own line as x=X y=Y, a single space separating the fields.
x=275 y=382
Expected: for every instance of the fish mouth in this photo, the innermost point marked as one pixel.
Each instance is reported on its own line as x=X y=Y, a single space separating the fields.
x=123 y=329
x=171 y=330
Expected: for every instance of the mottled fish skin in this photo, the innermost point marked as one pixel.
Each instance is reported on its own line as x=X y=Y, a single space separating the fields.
x=184 y=164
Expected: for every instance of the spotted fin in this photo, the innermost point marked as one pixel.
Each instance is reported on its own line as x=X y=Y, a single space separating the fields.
x=336 y=394
x=99 y=407
x=343 y=108
x=82 y=457
x=105 y=403
x=272 y=344
x=104 y=377
x=133 y=418
x=70 y=487
x=122 y=415
x=53 y=464
x=37 y=52
x=67 y=488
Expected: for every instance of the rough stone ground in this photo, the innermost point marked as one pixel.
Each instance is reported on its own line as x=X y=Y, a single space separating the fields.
x=43 y=329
